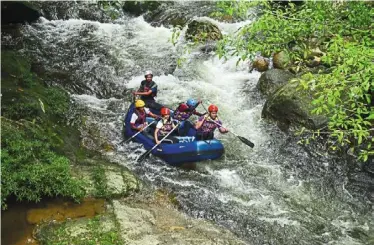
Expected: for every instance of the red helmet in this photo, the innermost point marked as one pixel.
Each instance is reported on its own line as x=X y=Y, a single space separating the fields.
x=165 y=111
x=213 y=108
x=183 y=107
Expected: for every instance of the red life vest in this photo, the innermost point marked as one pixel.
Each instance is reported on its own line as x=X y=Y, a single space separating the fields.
x=183 y=112
x=141 y=117
x=209 y=126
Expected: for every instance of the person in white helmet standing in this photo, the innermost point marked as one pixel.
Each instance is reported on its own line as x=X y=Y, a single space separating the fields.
x=148 y=91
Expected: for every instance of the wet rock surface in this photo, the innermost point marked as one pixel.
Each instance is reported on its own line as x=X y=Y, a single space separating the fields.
x=17 y=12
x=202 y=31
x=291 y=106
x=155 y=221
x=270 y=81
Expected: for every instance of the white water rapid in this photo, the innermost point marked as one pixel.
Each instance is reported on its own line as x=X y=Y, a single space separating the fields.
x=273 y=194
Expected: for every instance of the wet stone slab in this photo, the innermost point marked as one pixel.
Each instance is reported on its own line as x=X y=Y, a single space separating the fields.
x=121 y=182
x=150 y=223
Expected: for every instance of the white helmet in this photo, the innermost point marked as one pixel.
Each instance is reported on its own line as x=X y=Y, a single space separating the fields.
x=148 y=73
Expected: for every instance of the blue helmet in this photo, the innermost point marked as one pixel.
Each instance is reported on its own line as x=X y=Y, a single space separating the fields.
x=191 y=103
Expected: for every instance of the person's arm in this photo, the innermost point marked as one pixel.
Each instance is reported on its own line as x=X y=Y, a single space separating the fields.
x=222 y=129
x=198 y=113
x=153 y=89
x=143 y=93
x=149 y=113
x=200 y=122
x=154 y=115
x=158 y=127
x=140 y=91
x=156 y=135
x=132 y=122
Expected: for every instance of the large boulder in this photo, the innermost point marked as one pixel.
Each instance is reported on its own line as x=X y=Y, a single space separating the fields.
x=178 y=13
x=290 y=106
x=17 y=12
x=203 y=31
x=138 y=8
x=270 y=81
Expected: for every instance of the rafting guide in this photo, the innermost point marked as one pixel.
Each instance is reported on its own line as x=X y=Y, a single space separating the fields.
x=148 y=91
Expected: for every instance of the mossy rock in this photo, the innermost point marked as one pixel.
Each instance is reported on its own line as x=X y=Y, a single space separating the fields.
x=261 y=64
x=281 y=60
x=138 y=8
x=270 y=81
x=161 y=18
x=109 y=180
x=25 y=96
x=102 y=229
x=290 y=106
x=203 y=31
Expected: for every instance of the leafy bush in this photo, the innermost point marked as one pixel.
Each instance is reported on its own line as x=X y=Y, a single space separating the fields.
x=342 y=30
x=32 y=130
x=30 y=169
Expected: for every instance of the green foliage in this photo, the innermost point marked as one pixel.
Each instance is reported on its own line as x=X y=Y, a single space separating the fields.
x=100 y=182
x=93 y=234
x=29 y=167
x=25 y=96
x=33 y=129
x=233 y=9
x=342 y=30
x=111 y=8
x=344 y=95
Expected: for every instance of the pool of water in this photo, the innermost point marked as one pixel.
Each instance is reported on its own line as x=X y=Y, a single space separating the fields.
x=18 y=223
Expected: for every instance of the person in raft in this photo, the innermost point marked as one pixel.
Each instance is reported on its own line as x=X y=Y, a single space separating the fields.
x=206 y=125
x=184 y=112
x=148 y=91
x=138 y=118
x=164 y=126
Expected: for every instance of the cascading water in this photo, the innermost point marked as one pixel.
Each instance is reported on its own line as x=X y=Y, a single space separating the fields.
x=275 y=193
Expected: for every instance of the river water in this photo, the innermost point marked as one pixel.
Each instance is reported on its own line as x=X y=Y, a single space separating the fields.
x=275 y=193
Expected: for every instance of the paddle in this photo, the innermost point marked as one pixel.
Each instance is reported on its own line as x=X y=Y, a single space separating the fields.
x=144 y=156
x=125 y=141
x=241 y=138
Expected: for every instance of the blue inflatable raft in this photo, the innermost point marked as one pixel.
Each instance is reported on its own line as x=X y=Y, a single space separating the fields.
x=187 y=150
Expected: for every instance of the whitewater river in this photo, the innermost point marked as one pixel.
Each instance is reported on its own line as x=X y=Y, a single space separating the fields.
x=275 y=193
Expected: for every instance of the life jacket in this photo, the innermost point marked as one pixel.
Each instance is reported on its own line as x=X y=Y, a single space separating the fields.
x=166 y=127
x=182 y=113
x=209 y=126
x=141 y=118
x=145 y=87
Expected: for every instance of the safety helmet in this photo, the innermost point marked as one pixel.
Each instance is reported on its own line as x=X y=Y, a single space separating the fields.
x=139 y=103
x=191 y=103
x=213 y=108
x=165 y=111
x=183 y=107
x=148 y=73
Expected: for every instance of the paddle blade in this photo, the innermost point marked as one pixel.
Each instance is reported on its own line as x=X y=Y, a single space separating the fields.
x=126 y=141
x=246 y=141
x=144 y=156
